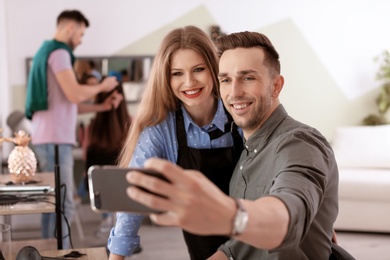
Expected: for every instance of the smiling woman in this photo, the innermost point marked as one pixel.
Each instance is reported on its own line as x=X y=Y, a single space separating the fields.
x=191 y=83
x=182 y=119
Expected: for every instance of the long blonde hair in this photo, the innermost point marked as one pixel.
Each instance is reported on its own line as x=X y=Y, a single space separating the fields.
x=158 y=98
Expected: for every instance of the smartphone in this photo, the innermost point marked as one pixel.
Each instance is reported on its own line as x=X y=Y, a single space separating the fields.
x=107 y=190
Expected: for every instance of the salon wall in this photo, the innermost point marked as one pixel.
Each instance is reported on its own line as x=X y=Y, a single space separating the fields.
x=326 y=47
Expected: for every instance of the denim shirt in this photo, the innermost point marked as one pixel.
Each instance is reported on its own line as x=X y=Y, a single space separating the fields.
x=161 y=141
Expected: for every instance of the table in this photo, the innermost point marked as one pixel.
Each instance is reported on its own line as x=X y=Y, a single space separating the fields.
x=31 y=207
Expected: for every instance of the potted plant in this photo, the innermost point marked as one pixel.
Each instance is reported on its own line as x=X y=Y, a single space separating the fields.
x=383 y=99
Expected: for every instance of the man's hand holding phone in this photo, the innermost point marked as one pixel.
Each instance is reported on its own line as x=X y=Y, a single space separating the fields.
x=189 y=200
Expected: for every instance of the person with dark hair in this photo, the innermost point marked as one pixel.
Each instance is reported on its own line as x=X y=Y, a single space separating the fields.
x=125 y=75
x=180 y=118
x=72 y=15
x=107 y=131
x=93 y=70
x=53 y=95
x=103 y=141
x=284 y=190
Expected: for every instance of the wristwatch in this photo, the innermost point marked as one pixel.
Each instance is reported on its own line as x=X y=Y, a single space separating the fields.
x=240 y=220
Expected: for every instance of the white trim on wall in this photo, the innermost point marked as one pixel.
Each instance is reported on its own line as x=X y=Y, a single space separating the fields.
x=4 y=77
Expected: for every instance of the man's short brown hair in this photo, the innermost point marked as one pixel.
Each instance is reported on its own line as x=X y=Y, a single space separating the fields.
x=73 y=15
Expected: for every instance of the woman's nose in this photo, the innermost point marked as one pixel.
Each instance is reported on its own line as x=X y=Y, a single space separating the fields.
x=190 y=80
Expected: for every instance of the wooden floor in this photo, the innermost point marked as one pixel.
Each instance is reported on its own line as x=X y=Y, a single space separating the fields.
x=165 y=243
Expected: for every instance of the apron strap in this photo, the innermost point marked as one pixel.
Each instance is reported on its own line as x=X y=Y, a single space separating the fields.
x=180 y=130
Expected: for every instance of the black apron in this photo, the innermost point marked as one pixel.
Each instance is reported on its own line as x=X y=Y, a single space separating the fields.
x=218 y=165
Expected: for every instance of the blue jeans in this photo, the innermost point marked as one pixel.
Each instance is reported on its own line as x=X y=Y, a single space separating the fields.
x=45 y=156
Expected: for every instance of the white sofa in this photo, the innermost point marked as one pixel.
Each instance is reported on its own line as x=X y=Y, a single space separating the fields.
x=363 y=157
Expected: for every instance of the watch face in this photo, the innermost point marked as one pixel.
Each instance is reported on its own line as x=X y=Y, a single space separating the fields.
x=241 y=221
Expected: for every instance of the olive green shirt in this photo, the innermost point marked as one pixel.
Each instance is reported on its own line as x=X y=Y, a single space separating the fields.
x=295 y=163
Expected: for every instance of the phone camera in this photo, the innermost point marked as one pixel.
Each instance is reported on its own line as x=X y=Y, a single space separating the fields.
x=98 y=202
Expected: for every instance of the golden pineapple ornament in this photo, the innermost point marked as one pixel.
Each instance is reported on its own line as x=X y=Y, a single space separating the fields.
x=22 y=163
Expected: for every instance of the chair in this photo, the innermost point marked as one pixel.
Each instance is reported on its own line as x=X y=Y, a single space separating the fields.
x=17 y=121
x=339 y=253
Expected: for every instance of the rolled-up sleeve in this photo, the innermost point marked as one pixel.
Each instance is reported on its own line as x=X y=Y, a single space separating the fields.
x=124 y=237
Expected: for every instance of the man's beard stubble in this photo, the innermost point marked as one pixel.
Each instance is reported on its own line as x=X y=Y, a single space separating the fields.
x=256 y=117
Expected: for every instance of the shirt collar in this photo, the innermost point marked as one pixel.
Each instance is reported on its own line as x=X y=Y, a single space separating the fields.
x=219 y=120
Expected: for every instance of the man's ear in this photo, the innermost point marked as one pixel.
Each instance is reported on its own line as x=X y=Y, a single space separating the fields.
x=278 y=86
x=70 y=27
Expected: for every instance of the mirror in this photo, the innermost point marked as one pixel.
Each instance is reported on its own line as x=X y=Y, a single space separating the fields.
x=134 y=70
x=137 y=67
